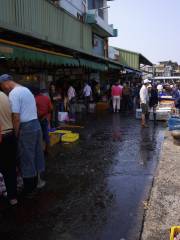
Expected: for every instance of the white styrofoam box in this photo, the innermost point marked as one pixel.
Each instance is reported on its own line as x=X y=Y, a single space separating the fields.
x=92 y=107
x=138 y=113
x=63 y=116
x=80 y=107
x=161 y=114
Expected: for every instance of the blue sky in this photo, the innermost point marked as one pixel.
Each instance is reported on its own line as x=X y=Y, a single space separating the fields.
x=151 y=27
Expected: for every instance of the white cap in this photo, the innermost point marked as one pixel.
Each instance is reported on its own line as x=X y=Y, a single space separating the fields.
x=146 y=81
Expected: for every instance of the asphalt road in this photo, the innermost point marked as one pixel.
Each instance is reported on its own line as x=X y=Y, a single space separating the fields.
x=97 y=188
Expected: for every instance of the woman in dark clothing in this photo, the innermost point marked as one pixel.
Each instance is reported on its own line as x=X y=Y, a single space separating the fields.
x=57 y=101
x=153 y=100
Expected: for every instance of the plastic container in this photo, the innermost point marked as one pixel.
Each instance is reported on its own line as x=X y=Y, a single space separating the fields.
x=174 y=230
x=80 y=107
x=138 y=113
x=54 y=138
x=70 y=137
x=63 y=116
x=174 y=123
x=102 y=106
x=62 y=131
x=92 y=107
x=161 y=114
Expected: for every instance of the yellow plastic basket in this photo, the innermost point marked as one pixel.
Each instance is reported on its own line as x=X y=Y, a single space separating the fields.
x=70 y=137
x=62 y=131
x=54 y=139
x=174 y=231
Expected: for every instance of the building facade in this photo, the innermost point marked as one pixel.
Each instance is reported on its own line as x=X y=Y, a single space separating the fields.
x=163 y=69
x=95 y=14
x=64 y=37
x=128 y=58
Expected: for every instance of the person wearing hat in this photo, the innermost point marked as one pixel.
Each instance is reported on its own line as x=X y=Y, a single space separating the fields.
x=27 y=130
x=144 y=99
x=8 y=149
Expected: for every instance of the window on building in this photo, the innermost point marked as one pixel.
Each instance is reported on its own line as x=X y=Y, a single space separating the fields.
x=98 y=45
x=97 y=4
x=91 y=4
x=100 y=4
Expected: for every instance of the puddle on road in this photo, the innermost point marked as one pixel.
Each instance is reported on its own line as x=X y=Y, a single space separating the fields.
x=95 y=187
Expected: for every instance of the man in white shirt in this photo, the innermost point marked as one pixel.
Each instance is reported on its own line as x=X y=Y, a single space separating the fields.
x=144 y=100
x=87 y=92
x=72 y=103
x=160 y=88
x=27 y=130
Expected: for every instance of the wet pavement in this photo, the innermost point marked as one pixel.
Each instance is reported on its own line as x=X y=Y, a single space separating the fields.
x=97 y=188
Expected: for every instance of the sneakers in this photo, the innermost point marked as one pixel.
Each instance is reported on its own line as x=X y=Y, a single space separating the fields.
x=41 y=184
x=13 y=202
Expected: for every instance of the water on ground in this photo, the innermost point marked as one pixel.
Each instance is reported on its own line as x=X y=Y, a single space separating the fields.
x=97 y=188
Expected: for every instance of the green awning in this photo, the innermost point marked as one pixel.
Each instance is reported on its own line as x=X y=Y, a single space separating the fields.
x=114 y=66
x=93 y=65
x=12 y=52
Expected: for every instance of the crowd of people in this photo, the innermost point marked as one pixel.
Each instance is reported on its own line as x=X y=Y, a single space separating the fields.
x=64 y=99
x=20 y=138
x=27 y=114
x=150 y=93
x=124 y=97
x=145 y=96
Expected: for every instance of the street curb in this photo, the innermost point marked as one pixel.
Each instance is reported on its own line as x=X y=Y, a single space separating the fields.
x=164 y=205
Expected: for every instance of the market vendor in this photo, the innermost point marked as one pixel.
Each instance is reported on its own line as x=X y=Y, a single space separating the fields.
x=8 y=149
x=44 y=108
x=27 y=130
x=177 y=97
x=144 y=100
x=153 y=100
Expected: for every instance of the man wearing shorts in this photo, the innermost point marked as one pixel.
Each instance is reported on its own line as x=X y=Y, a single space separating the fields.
x=144 y=99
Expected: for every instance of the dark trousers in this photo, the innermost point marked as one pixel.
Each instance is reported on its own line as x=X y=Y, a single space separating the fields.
x=30 y=184
x=87 y=102
x=72 y=110
x=127 y=102
x=45 y=130
x=8 y=160
x=54 y=118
